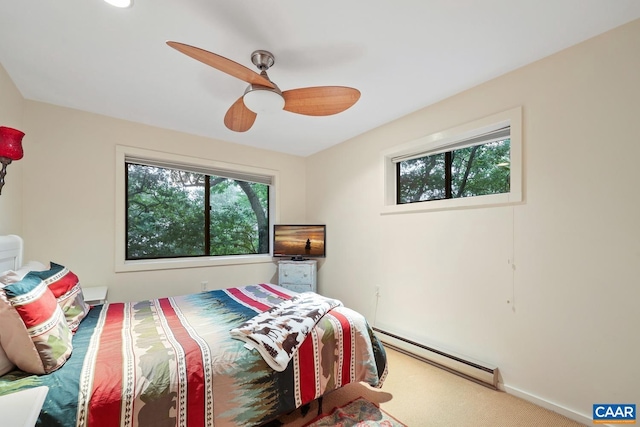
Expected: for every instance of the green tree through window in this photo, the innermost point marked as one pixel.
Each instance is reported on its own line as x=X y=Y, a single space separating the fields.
x=174 y=213
x=472 y=171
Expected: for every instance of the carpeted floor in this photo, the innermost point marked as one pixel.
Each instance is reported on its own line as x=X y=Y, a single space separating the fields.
x=422 y=395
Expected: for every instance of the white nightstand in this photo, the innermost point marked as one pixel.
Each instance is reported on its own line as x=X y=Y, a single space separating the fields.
x=21 y=409
x=299 y=276
x=96 y=295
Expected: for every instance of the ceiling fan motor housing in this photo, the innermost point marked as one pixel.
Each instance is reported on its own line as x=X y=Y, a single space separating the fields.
x=263 y=59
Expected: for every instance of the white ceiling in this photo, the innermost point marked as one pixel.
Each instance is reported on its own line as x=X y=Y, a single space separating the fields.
x=402 y=55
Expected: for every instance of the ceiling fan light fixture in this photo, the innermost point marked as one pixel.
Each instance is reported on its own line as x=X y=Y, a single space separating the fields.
x=120 y=3
x=263 y=96
x=260 y=99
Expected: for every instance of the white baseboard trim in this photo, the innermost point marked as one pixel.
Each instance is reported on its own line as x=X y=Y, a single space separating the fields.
x=581 y=418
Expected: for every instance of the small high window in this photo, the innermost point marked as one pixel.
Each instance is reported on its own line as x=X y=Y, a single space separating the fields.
x=478 y=169
x=476 y=164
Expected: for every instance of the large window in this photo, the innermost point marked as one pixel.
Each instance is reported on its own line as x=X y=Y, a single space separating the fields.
x=473 y=165
x=177 y=213
x=180 y=212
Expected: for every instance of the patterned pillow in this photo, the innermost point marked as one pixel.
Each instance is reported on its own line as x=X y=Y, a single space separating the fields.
x=15 y=340
x=66 y=288
x=44 y=321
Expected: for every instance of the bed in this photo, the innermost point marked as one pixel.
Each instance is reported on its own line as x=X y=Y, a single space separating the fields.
x=173 y=361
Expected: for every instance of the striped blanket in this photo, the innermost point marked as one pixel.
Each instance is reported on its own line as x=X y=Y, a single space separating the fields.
x=173 y=362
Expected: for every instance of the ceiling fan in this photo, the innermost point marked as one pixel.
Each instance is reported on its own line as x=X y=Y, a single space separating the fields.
x=262 y=95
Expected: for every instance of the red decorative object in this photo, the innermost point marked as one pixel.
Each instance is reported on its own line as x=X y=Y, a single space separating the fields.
x=10 y=149
x=11 y=143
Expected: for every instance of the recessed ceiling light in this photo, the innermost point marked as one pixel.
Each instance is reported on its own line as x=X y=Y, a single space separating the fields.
x=120 y=3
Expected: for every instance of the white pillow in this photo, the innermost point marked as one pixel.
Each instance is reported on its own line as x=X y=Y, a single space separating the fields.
x=5 y=363
x=11 y=276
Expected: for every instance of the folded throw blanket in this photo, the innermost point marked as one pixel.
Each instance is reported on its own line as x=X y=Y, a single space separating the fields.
x=278 y=332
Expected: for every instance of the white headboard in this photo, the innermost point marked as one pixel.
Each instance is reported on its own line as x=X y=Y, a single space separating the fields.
x=10 y=252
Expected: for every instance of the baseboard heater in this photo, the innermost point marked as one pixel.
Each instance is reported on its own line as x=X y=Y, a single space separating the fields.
x=479 y=372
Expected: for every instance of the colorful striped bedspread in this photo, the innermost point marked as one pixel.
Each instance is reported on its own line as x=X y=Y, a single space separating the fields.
x=172 y=362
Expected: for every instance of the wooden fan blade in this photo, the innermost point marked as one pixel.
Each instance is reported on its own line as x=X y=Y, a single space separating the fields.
x=239 y=118
x=223 y=64
x=321 y=100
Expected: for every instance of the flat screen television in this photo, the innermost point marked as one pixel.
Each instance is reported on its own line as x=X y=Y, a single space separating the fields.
x=299 y=241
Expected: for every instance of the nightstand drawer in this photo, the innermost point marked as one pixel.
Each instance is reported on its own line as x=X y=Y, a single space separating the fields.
x=296 y=274
x=298 y=288
x=299 y=276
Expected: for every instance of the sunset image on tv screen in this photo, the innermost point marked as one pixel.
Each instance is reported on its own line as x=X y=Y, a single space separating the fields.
x=299 y=240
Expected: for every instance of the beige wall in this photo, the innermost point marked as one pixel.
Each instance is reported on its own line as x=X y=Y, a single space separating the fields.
x=11 y=108
x=563 y=326
x=69 y=193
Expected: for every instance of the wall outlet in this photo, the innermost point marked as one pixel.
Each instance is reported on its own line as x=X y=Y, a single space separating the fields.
x=204 y=285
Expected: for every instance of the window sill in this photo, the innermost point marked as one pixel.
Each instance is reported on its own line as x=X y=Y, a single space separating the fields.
x=169 y=264
x=451 y=204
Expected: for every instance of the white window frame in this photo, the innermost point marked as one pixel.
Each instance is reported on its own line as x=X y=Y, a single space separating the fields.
x=123 y=265
x=450 y=139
